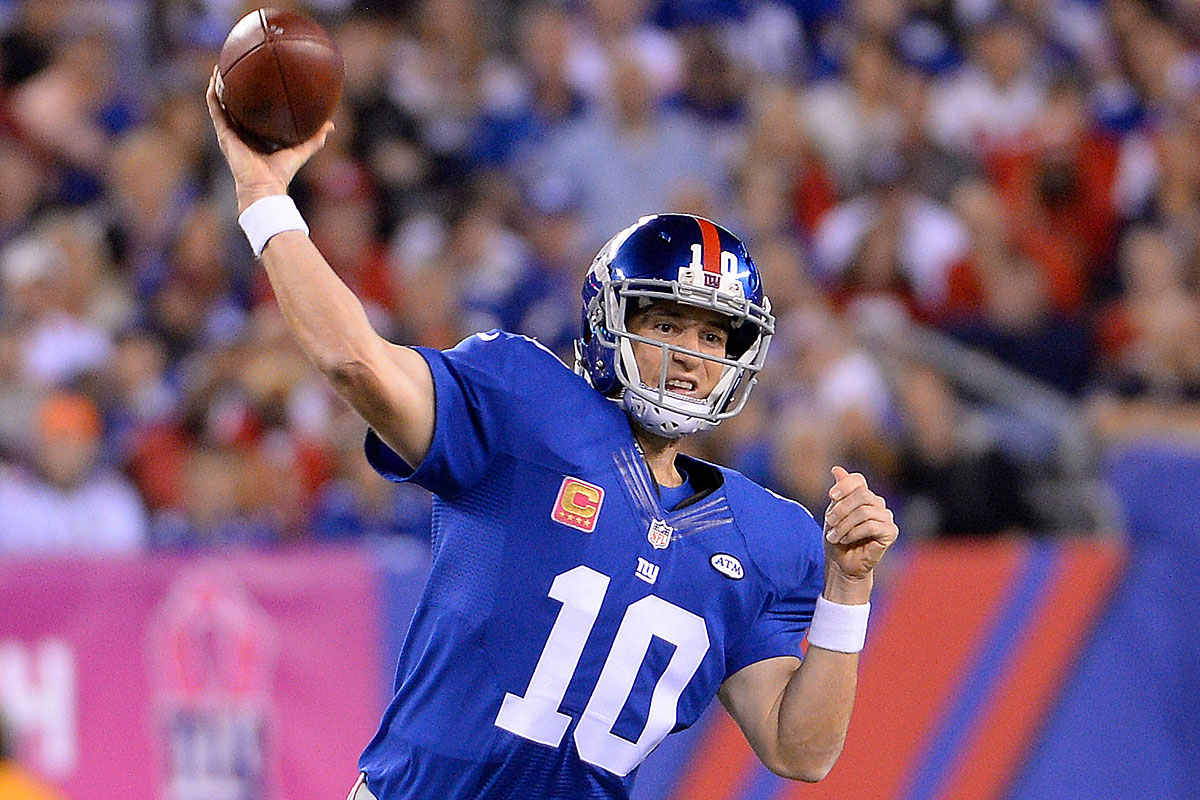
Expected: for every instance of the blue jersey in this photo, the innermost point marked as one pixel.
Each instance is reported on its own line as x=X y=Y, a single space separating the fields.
x=570 y=622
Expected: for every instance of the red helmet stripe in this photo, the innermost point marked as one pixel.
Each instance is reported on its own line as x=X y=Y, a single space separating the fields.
x=711 y=246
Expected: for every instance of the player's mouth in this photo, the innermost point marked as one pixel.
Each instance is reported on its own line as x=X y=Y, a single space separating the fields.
x=683 y=386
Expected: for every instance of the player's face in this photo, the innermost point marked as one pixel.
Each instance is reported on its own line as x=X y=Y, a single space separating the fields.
x=698 y=329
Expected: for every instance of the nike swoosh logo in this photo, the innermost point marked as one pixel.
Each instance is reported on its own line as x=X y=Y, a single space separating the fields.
x=487 y=337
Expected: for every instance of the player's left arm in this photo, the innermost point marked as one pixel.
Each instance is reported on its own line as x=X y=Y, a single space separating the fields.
x=795 y=714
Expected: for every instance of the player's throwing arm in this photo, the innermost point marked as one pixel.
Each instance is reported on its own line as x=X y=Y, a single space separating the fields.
x=388 y=385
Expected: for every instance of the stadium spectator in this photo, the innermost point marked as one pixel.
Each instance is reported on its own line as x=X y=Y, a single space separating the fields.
x=59 y=342
x=60 y=107
x=956 y=480
x=429 y=305
x=67 y=501
x=1152 y=336
x=805 y=440
x=356 y=504
x=783 y=186
x=851 y=120
x=993 y=100
x=540 y=303
x=714 y=83
x=217 y=508
x=382 y=136
x=152 y=195
x=1019 y=297
x=997 y=236
x=25 y=188
x=1059 y=184
x=1019 y=326
x=933 y=170
x=342 y=202
x=142 y=406
x=1160 y=60
x=891 y=241
x=830 y=376
x=544 y=96
x=783 y=263
x=1149 y=378
x=447 y=79
x=628 y=155
x=608 y=32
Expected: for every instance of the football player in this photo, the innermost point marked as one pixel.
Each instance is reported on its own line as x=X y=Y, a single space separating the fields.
x=592 y=588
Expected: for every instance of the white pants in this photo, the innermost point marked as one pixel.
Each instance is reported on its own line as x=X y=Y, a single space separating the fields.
x=360 y=790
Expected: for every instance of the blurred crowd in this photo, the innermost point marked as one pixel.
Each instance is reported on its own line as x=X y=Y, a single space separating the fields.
x=1021 y=178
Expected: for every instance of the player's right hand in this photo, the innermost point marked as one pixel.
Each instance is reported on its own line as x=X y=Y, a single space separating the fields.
x=257 y=175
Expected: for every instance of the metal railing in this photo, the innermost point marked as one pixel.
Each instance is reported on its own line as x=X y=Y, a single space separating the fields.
x=1066 y=487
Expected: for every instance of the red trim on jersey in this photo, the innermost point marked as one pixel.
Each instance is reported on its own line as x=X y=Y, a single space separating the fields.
x=711 y=246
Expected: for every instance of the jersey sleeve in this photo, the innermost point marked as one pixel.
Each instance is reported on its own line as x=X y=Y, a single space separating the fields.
x=475 y=407
x=781 y=625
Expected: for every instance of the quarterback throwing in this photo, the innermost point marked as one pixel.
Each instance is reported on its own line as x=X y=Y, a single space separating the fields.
x=592 y=587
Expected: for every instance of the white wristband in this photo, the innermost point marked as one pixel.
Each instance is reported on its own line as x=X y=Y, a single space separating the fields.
x=268 y=216
x=839 y=627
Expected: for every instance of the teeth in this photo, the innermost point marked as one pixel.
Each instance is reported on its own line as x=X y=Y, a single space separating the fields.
x=686 y=385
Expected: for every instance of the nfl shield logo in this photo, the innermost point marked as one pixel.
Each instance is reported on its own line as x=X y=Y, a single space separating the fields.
x=659 y=534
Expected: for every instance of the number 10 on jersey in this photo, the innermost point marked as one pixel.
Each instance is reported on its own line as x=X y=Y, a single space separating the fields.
x=535 y=716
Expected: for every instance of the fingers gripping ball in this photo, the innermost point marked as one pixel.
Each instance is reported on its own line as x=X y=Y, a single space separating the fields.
x=279 y=78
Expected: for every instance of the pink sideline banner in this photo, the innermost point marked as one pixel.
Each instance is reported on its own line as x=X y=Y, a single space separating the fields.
x=245 y=677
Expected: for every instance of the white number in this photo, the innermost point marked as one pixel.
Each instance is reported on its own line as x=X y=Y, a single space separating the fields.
x=651 y=616
x=729 y=262
x=536 y=716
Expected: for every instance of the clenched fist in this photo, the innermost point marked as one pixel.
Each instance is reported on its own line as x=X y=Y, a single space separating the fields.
x=859 y=527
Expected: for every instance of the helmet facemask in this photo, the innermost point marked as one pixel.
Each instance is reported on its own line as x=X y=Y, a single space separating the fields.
x=656 y=408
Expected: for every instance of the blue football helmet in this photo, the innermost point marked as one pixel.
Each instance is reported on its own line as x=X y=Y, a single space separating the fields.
x=689 y=260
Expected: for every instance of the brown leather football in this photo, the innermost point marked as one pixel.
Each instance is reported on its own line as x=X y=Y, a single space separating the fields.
x=279 y=78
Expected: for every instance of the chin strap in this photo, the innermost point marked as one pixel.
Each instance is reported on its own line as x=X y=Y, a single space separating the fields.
x=665 y=422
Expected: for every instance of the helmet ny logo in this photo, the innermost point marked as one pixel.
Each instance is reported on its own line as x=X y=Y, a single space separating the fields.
x=709 y=265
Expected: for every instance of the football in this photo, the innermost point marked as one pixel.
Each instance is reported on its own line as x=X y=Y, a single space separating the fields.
x=279 y=78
